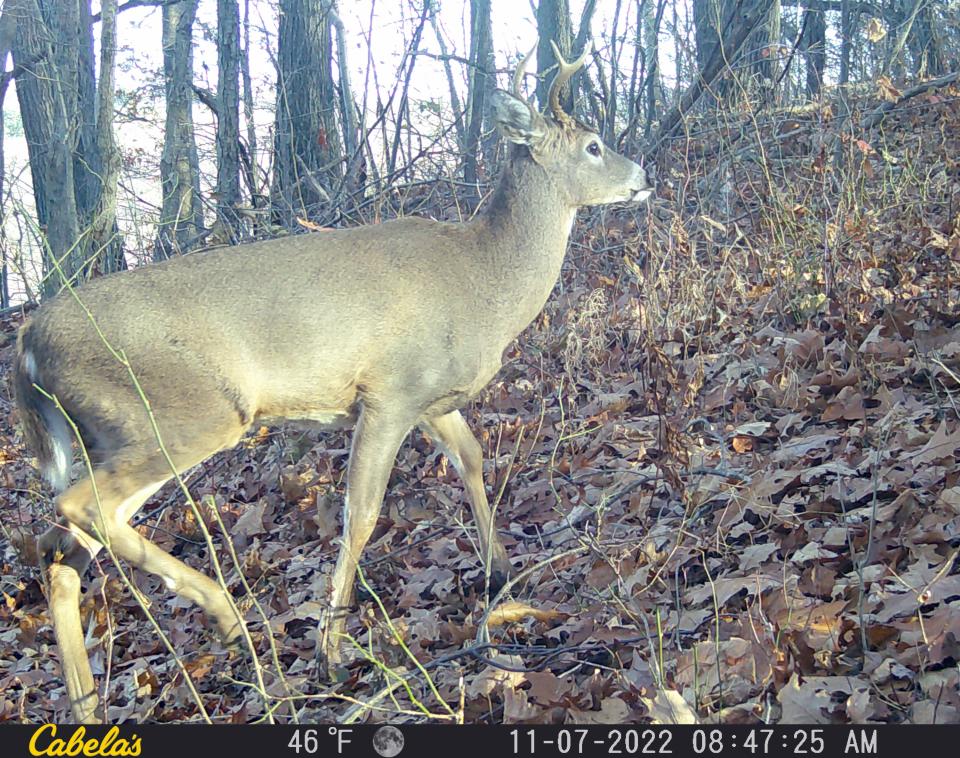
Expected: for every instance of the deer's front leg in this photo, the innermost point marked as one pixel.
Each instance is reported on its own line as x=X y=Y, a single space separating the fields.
x=452 y=435
x=375 y=443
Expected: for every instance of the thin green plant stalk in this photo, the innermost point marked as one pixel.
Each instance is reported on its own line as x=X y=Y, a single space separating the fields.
x=274 y=653
x=395 y=679
x=660 y=640
x=716 y=616
x=401 y=643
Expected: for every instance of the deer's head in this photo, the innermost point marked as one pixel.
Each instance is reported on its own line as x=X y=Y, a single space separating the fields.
x=585 y=170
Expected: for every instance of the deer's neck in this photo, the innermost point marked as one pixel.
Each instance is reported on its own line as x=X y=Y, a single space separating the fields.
x=527 y=224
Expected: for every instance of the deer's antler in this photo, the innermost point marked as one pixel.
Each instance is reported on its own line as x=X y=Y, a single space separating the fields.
x=521 y=68
x=564 y=72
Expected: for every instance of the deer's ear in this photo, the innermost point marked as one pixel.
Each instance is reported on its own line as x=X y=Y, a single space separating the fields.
x=518 y=122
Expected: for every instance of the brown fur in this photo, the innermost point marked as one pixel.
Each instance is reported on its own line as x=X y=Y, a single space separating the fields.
x=393 y=325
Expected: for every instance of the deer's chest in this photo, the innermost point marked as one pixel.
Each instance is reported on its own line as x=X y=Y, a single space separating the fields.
x=458 y=383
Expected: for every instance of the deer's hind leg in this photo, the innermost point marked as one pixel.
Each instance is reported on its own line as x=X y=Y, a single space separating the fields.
x=94 y=513
x=65 y=552
x=102 y=507
x=63 y=593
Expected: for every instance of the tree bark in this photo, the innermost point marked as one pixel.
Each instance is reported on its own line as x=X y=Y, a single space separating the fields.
x=846 y=28
x=553 y=23
x=87 y=163
x=928 y=53
x=652 y=73
x=905 y=33
x=746 y=16
x=104 y=232
x=251 y=172
x=610 y=116
x=815 y=45
x=8 y=28
x=481 y=83
x=181 y=214
x=307 y=153
x=46 y=90
x=347 y=106
x=228 y=117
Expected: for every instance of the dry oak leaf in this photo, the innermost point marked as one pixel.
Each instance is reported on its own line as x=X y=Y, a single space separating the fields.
x=803 y=703
x=669 y=707
x=754 y=556
x=875 y=30
x=513 y=611
x=848 y=405
x=612 y=711
x=940 y=445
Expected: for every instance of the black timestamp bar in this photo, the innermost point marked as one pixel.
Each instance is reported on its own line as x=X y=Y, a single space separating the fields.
x=417 y=740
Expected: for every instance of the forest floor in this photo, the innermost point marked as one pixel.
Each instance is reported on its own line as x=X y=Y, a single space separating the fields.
x=726 y=451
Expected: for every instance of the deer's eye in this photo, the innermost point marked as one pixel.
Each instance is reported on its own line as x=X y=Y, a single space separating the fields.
x=594 y=149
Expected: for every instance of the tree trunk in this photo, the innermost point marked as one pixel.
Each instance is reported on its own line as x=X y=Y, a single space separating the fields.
x=931 y=55
x=455 y=106
x=846 y=28
x=481 y=83
x=906 y=34
x=652 y=56
x=250 y=165
x=8 y=28
x=228 y=117
x=181 y=215
x=815 y=45
x=46 y=90
x=307 y=154
x=105 y=238
x=706 y=21
x=87 y=164
x=347 y=106
x=581 y=82
x=553 y=23
x=711 y=18
x=748 y=16
x=610 y=116
x=762 y=50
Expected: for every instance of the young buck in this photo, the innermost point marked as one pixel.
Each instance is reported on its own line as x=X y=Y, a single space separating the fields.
x=390 y=326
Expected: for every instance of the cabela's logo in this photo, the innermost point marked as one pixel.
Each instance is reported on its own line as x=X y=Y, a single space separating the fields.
x=45 y=742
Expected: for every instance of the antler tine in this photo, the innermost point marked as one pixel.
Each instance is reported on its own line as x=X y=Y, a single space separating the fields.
x=521 y=68
x=564 y=72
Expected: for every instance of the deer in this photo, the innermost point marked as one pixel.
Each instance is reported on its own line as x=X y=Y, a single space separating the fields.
x=386 y=327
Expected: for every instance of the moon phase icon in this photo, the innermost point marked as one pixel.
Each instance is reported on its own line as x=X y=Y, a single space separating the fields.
x=388 y=741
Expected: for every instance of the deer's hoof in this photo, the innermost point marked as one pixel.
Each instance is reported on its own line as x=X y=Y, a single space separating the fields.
x=501 y=572
x=227 y=629
x=330 y=666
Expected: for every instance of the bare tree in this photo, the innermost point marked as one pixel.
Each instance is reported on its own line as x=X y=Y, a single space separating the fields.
x=45 y=56
x=181 y=214
x=345 y=100
x=481 y=84
x=553 y=24
x=8 y=27
x=448 y=71
x=307 y=146
x=228 y=116
x=814 y=43
x=250 y=158
x=104 y=233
